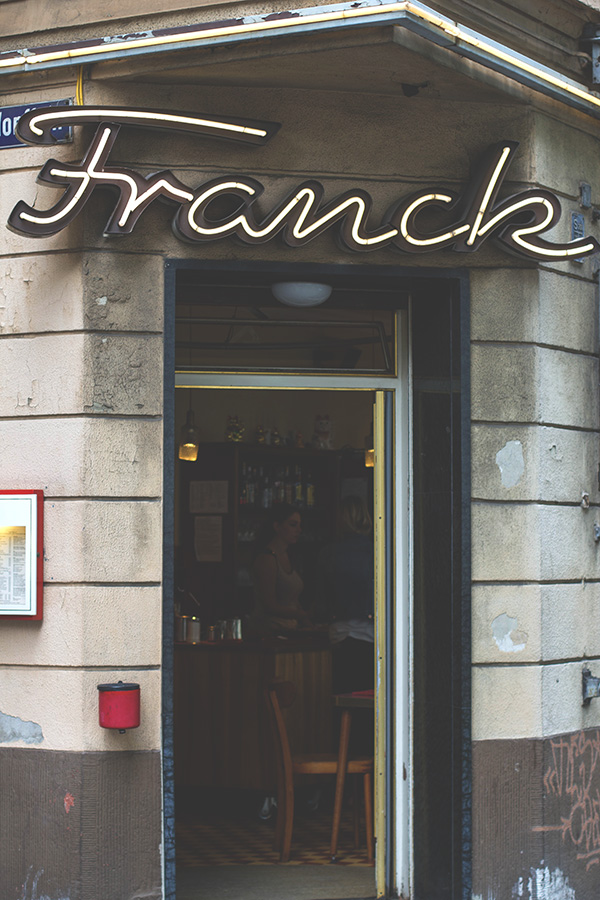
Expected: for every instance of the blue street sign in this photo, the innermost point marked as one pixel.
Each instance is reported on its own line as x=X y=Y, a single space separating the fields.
x=10 y=115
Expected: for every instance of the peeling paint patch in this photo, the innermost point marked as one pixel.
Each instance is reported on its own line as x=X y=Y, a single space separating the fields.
x=69 y=802
x=544 y=885
x=508 y=639
x=134 y=36
x=14 y=729
x=101 y=301
x=99 y=407
x=30 y=888
x=26 y=398
x=286 y=14
x=511 y=463
x=555 y=453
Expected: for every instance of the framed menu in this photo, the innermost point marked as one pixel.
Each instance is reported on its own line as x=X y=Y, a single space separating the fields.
x=21 y=554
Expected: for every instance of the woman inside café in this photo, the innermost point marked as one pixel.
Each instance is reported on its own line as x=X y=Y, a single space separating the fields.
x=277 y=582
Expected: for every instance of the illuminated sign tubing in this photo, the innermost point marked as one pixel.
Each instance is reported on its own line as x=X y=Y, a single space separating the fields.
x=471 y=217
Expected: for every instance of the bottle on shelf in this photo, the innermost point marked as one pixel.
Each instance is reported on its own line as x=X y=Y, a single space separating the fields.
x=310 y=491
x=251 y=487
x=279 y=487
x=267 y=492
x=298 y=487
x=244 y=486
x=288 y=486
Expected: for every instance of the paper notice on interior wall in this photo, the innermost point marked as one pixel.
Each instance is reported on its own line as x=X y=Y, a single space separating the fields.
x=208 y=538
x=209 y=496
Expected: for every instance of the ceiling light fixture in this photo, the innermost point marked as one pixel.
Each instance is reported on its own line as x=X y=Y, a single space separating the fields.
x=301 y=293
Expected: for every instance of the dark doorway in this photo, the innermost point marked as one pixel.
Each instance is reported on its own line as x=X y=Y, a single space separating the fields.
x=440 y=354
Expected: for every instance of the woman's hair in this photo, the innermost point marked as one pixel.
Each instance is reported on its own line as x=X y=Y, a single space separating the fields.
x=278 y=514
x=355 y=515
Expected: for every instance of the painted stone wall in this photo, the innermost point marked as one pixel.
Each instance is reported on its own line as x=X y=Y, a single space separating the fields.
x=536 y=565
x=81 y=408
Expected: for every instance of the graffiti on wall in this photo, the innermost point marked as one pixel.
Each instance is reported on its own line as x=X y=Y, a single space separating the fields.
x=574 y=778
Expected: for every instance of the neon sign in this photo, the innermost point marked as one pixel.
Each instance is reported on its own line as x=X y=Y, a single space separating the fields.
x=469 y=218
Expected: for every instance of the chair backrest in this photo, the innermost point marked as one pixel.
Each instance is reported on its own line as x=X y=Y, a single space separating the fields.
x=280 y=695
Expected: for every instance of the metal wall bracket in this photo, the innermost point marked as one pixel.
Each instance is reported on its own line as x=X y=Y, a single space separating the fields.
x=595 y=61
x=590 y=41
x=590 y=686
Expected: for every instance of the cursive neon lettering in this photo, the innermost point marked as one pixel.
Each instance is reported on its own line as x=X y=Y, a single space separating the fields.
x=487 y=196
x=417 y=205
x=471 y=217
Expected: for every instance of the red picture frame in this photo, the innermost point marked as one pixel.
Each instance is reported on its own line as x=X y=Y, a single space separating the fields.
x=33 y=516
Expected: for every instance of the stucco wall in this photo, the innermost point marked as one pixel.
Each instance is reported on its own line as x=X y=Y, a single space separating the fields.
x=81 y=403
x=535 y=562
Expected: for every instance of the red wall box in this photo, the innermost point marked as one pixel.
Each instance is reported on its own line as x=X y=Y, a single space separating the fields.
x=21 y=554
x=119 y=705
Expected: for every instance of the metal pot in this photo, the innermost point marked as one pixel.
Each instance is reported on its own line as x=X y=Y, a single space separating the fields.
x=234 y=629
x=182 y=628
x=193 y=631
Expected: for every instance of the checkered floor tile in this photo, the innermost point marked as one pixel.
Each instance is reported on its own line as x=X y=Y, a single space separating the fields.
x=226 y=839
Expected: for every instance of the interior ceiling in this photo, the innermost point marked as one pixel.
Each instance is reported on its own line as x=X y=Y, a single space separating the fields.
x=358 y=60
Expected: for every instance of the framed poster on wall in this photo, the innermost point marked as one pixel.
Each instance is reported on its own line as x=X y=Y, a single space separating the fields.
x=21 y=554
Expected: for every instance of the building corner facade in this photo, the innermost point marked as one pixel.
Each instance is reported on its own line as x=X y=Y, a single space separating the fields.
x=83 y=400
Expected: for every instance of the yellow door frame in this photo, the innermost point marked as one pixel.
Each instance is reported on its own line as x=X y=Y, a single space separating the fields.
x=381 y=540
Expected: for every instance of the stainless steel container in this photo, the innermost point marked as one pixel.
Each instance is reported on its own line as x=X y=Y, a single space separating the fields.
x=193 y=631
x=234 y=629
x=181 y=627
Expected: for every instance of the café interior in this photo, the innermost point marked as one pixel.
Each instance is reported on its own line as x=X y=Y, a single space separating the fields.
x=260 y=718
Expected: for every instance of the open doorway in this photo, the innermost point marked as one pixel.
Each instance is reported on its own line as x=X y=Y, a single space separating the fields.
x=219 y=344
x=306 y=454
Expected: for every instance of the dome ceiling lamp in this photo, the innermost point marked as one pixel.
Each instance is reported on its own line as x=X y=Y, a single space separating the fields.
x=301 y=293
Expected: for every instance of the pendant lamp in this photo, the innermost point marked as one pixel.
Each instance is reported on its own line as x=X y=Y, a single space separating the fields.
x=190 y=437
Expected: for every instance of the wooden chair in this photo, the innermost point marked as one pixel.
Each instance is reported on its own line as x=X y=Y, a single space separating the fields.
x=280 y=695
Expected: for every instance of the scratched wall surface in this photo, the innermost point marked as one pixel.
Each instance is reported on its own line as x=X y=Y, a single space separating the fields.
x=75 y=826
x=536 y=818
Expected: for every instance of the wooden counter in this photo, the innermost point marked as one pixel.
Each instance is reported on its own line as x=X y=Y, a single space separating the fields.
x=222 y=732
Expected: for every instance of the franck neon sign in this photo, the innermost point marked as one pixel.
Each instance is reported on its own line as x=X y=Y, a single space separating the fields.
x=472 y=216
